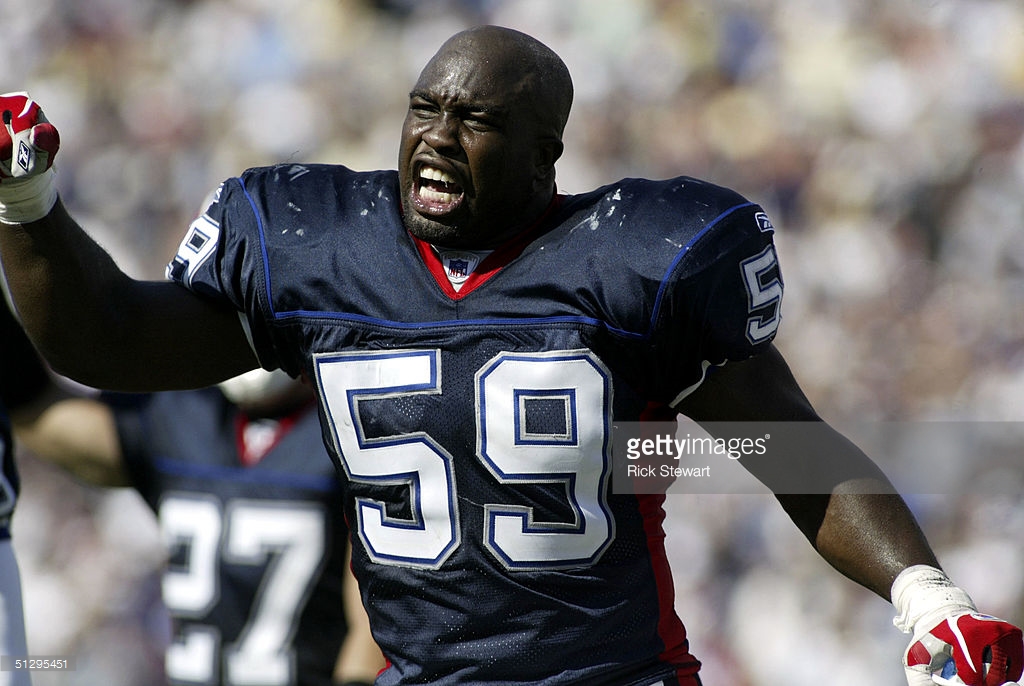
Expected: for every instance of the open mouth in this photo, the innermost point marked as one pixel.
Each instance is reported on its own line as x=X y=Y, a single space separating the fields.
x=436 y=192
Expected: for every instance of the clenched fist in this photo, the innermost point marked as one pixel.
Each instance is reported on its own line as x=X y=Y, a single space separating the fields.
x=28 y=145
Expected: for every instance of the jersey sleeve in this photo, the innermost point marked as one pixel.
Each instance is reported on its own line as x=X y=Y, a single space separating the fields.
x=221 y=258
x=725 y=303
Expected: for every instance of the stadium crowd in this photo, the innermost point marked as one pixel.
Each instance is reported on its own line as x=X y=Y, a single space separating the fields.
x=883 y=138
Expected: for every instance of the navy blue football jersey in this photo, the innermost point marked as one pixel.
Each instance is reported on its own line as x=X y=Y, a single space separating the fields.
x=256 y=553
x=474 y=427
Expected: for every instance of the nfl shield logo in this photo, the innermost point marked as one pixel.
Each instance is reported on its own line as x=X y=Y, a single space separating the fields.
x=458 y=268
x=459 y=264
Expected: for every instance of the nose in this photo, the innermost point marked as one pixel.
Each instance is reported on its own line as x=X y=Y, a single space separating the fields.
x=441 y=133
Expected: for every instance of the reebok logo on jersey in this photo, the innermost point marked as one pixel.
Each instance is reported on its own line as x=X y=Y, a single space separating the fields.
x=763 y=222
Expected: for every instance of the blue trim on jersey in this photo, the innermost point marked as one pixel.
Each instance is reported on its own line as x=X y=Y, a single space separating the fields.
x=346 y=316
x=522 y=321
x=322 y=484
x=263 y=245
x=686 y=248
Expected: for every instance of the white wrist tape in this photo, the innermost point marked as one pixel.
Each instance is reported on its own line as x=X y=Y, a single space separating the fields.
x=27 y=199
x=925 y=594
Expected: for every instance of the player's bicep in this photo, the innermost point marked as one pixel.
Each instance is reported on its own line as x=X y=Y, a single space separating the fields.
x=181 y=341
x=804 y=455
x=761 y=388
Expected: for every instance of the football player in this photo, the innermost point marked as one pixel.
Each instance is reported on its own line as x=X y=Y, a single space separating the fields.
x=12 y=618
x=471 y=412
x=19 y=385
x=258 y=583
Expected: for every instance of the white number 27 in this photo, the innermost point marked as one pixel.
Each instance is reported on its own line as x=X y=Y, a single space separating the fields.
x=247 y=532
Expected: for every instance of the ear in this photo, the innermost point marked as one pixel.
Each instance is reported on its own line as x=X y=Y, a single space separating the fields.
x=548 y=152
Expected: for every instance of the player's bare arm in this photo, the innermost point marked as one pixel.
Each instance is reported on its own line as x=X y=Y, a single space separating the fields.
x=97 y=326
x=863 y=528
x=91 y=321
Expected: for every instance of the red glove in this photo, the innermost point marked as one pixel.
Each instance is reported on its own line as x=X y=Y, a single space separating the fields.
x=969 y=648
x=952 y=643
x=28 y=144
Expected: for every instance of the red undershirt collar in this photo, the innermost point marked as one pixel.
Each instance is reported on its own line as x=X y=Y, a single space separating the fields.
x=491 y=264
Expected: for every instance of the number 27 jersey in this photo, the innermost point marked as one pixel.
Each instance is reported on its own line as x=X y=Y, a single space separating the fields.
x=474 y=427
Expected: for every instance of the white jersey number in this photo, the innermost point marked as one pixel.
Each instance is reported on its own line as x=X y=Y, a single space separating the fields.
x=245 y=532
x=572 y=386
x=764 y=292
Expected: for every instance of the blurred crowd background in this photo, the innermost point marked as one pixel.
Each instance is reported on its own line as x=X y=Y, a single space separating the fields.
x=884 y=138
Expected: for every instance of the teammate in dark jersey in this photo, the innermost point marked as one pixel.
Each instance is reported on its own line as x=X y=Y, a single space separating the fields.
x=20 y=384
x=12 y=619
x=472 y=411
x=248 y=504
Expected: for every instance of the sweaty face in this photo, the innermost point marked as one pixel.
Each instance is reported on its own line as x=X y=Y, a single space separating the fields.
x=468 y=163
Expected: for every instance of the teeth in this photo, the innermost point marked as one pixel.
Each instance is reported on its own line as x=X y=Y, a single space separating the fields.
x=435 y=196
x=433 y=174
x=436 y=176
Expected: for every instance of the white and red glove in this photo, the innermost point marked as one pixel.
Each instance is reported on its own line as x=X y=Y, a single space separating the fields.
x=952 y=643
x=28 y=144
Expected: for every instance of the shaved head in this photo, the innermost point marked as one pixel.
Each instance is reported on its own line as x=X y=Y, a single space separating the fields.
x=527 y=67
x=481 y=138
